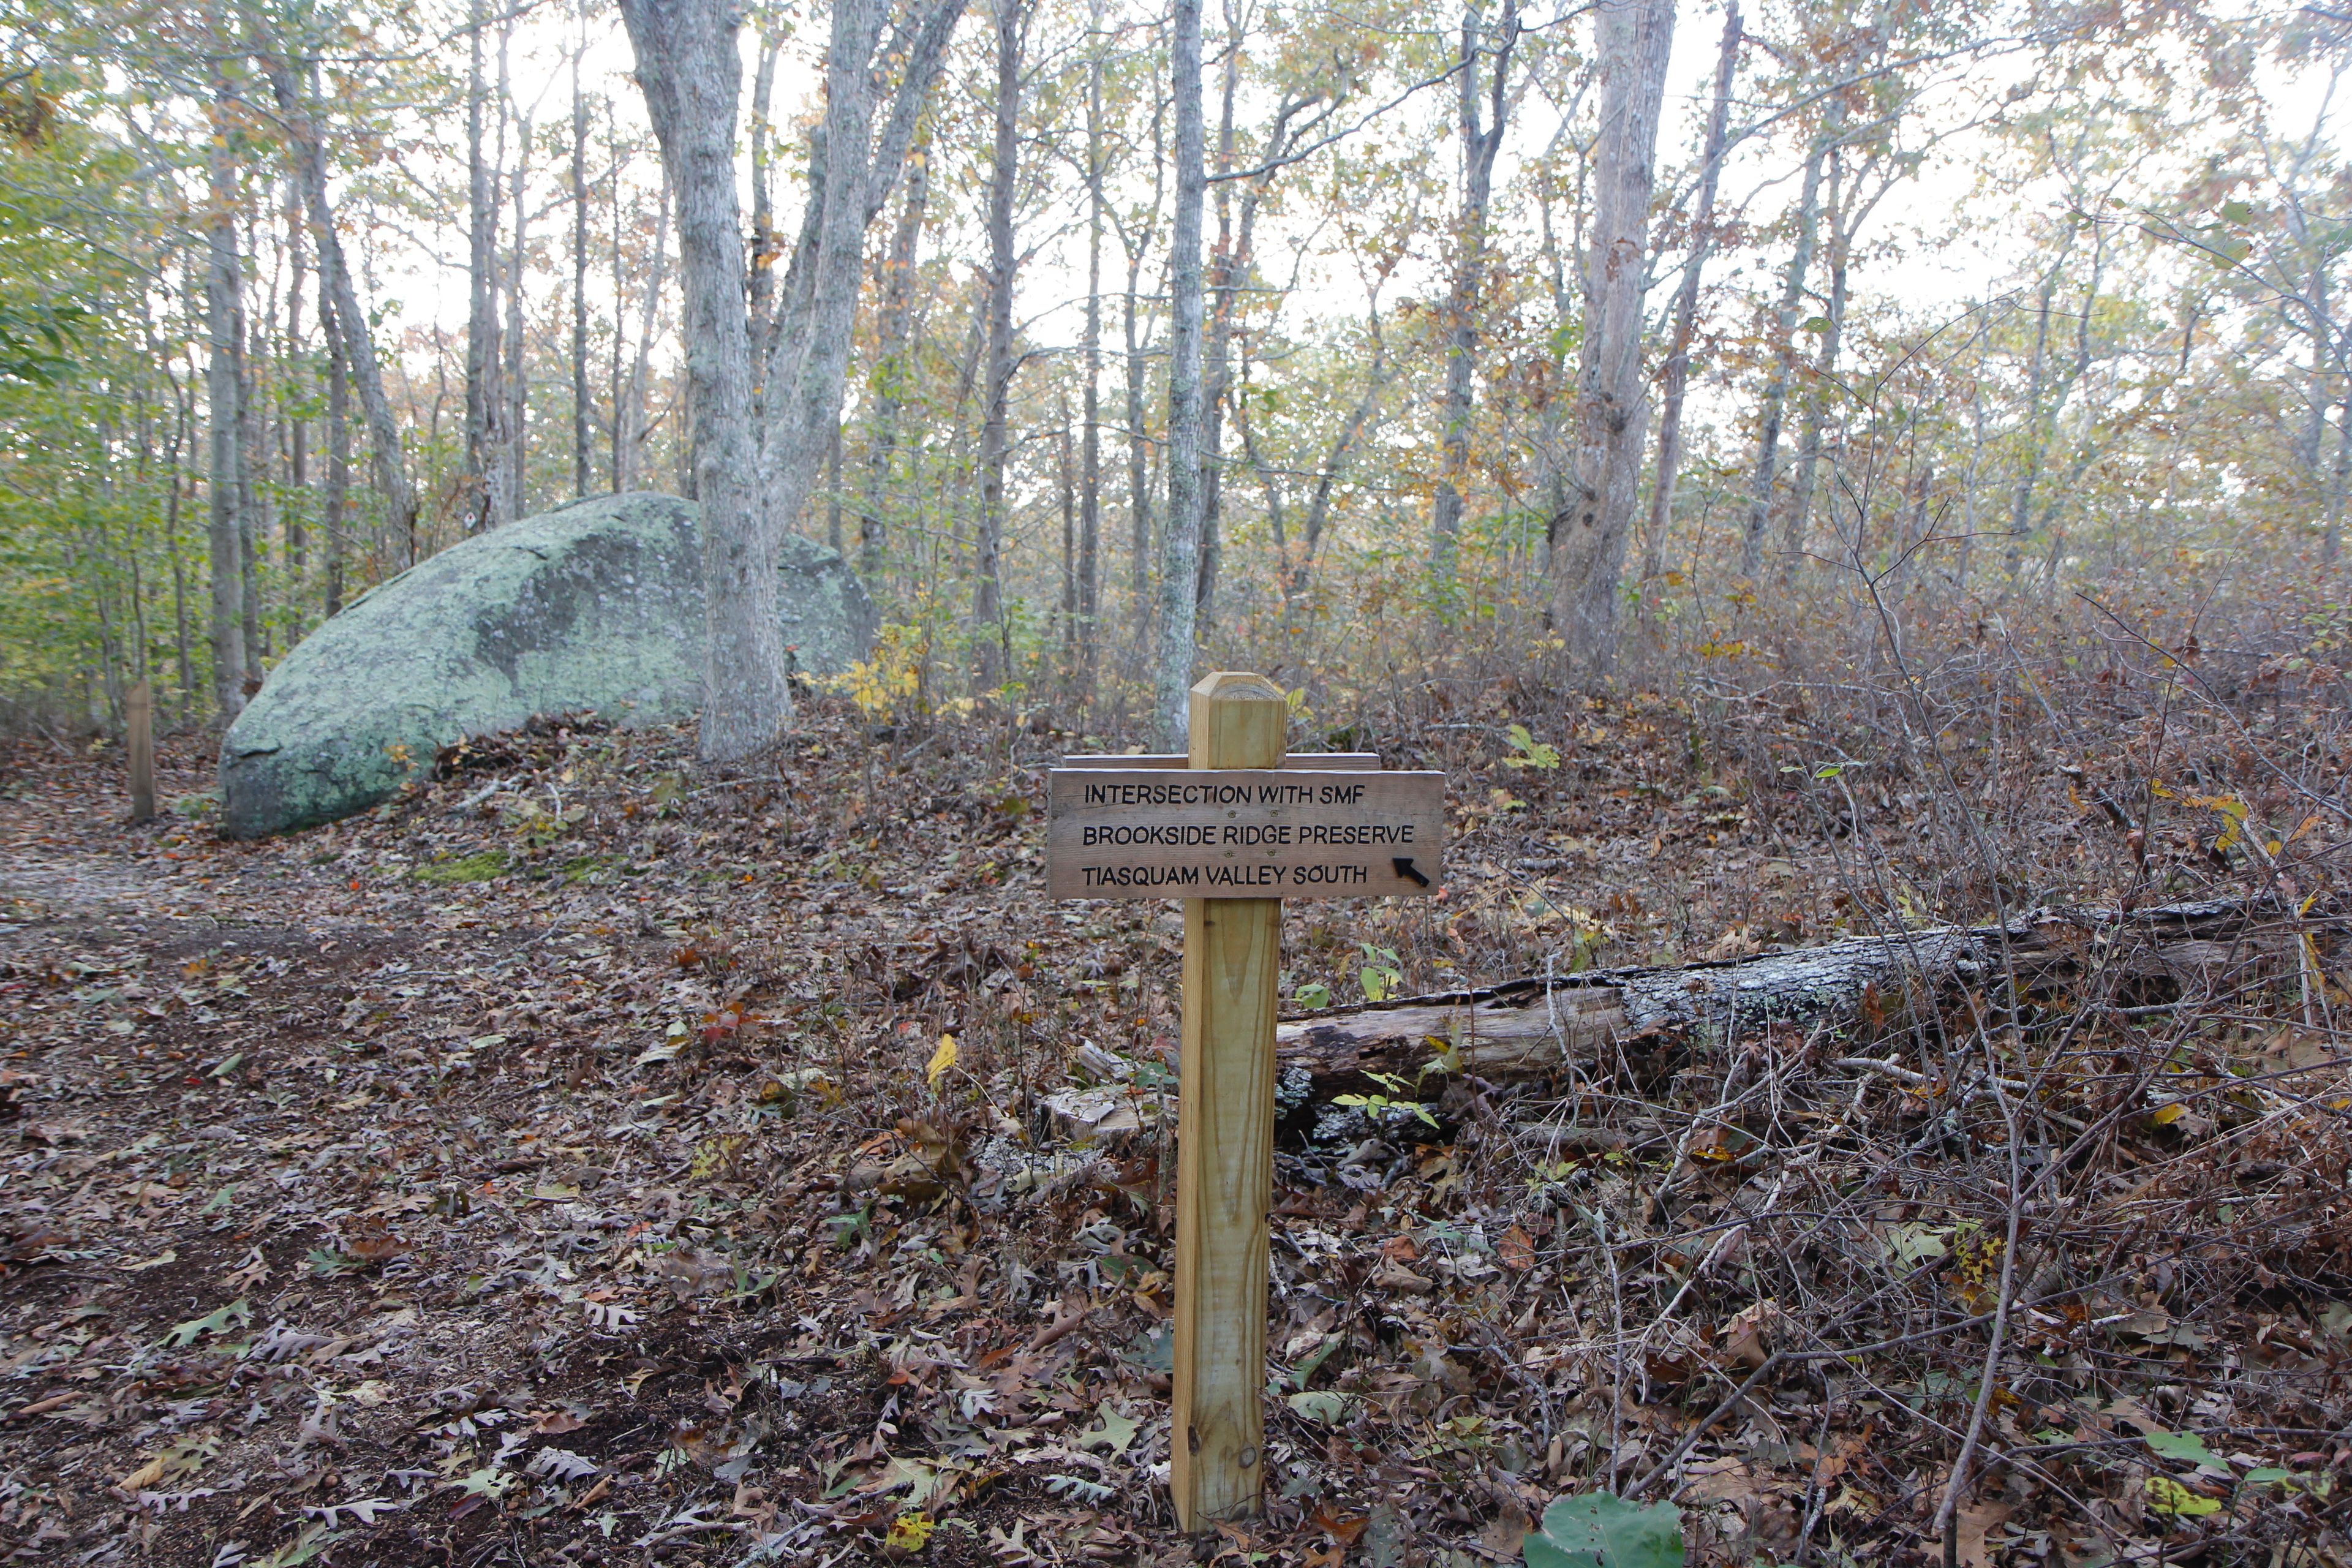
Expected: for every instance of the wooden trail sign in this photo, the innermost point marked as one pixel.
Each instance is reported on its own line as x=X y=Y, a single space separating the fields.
x=140 y=740
x=1229 y=833
x=1240 y=827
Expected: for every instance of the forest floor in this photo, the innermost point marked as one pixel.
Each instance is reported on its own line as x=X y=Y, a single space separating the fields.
x=563 y=1165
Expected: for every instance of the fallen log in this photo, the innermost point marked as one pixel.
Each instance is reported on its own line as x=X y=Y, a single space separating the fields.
x=1533 y=1026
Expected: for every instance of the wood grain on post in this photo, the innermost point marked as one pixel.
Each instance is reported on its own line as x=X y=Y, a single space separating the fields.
x=1225 y=1150
x=140 y=714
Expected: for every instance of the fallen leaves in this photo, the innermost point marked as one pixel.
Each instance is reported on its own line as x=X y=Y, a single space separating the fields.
x=860 y=1217
x=1973 y=1524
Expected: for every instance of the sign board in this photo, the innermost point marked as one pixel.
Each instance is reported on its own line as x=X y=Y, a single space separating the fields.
x=1242 y=832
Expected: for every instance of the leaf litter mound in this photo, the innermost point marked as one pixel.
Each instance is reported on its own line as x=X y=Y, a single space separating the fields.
x=590 y=1157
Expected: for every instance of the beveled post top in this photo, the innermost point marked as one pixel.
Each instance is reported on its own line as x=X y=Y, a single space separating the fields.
x=1238 y=686
x=1238 y=721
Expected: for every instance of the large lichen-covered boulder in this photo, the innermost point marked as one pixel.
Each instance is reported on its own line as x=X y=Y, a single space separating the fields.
x=594 y=607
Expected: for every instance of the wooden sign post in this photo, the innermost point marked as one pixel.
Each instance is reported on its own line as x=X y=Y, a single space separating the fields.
x=1234 y=833
x=139 y=743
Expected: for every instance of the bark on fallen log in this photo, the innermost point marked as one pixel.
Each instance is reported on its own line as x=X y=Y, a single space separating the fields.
x=1535 y=1026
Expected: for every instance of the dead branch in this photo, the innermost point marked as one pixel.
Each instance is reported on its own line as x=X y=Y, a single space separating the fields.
x=1527 y=1028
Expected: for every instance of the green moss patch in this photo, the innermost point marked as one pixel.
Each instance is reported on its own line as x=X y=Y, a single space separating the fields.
x=479 y=867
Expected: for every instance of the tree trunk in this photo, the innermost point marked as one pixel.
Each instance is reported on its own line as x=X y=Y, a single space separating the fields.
x=224 y=404
x=252 y=480
x=1138 y=464
x=1179 y=563
x=580 y=444
x=893 y=372
x=334 y=511
x=1223 y=271
x=995 y=441
x=1479 y=146
x=2339 y=482
x=500 y=505
x=1277 y=512
x=690 y=73
x=628 y=458
x=1090 y=459
x=2041 y=406
x=1797 y=524
x=852 y=171
x=763 y=218
x=833 y=493
x=297 y=428
x=1298 y=578
x=1535 y=1026
x=517 y=432
x=1588 y=546
x=618 y=430
x=383 y=430
x=1139 y=437
x=1135 y=243
x=1702 y=241
x=1235 y=266
x=177 y=453
x=481 y=320
x=1066 y=481
x=1784 y=359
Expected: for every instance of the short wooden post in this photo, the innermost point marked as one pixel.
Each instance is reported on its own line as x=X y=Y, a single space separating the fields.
x=1224 y=1160
x=140 y=720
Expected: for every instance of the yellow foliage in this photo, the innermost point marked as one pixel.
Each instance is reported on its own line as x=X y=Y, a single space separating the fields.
x=910 y=1533
x=2167 y=1496
x=880 y=684
x=714 y=1156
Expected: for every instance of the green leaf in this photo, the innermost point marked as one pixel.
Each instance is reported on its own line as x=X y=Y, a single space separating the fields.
x=1914 y=1242
x=489 y=1482
x=1600 y=1530
x=1324 y=1407
x=1532 y=753
x=313 y=1540
x=194 y=1329
x=2237 y=212
x=1114 y=1435
x=24 y=331
x=2188 y=1448
x=1312 y=1362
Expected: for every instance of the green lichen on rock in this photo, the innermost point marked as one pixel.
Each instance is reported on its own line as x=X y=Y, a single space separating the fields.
x=593 y=607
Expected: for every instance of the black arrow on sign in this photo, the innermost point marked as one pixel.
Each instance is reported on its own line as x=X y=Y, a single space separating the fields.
x=1404 y=867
